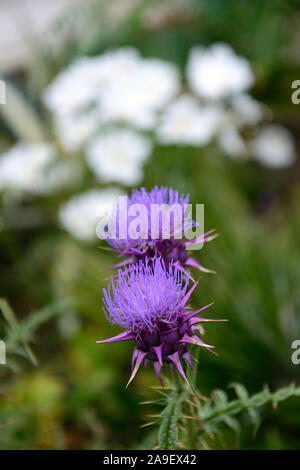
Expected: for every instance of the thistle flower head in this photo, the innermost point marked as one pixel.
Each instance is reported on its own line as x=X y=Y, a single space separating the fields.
x=149 y=300
x=172 y=248
x=147 y=199
x=145 y=297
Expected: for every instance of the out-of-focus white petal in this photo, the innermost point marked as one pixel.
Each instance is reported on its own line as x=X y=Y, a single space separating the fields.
x=247 y=109
x=274 y=146
x=231 y=143
x=118 y=155
x=217 y=72
x=23 y=167
x=80 y=214
x=185 y=122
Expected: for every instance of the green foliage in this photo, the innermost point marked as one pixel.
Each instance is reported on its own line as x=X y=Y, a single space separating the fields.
x=16 y=330
x=221 y=410
x=189 y=418
x=20 y=334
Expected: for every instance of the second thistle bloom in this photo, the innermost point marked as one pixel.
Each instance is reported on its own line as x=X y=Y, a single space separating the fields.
x=163 y=224
x=150 y=301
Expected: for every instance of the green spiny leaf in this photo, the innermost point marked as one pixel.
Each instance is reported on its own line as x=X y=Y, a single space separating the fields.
x=220 y=398
x=255 y=418
x=30 y=324
x=240 y=390
x=12 y=321
x=232 y=423
x=222 y=411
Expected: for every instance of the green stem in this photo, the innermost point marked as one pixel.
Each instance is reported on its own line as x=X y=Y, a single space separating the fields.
x=178 y=380
x=190 y=423
x=193 y=373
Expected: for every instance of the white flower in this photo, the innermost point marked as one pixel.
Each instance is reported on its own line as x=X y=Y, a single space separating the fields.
x=273 y=146
x=116 y=86
x=135 y=97
x=115 y=65
x=74 y=130
x=118 y=155
x=74 y=88
x=160 y=82
x=247 y=109
x=81 y=214
x=232 y=143
x=186 y=122
x=120 y=85
x=23 y=167
x=217 y=72
x=79 y=85
x=75 y=95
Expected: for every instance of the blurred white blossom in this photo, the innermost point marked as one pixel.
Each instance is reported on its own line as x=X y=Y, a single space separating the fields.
x=186 y=122
x=231 y=143
x=247 y=110
x=118 y=155
x=217 y=72
x=34 y=167
x=120 y=85
x=273 y=146
x=94 y=96
x=136 y=97
x=23 y=166
x=80 y=214
x=74 y=130
x=74 y=88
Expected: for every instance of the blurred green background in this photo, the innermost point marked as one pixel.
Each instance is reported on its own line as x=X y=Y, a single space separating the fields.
x=75 y=397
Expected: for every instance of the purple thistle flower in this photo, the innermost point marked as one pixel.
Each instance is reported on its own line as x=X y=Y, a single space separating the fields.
x=173 y=249
x=149 y=300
